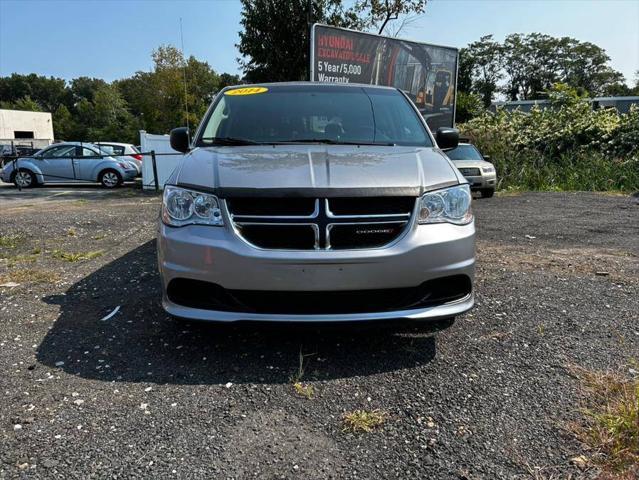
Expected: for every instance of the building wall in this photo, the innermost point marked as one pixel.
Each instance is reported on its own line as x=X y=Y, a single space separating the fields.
x=40 y=123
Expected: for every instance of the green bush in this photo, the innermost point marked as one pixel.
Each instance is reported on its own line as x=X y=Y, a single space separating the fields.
x=568 y=146
x=468 y=106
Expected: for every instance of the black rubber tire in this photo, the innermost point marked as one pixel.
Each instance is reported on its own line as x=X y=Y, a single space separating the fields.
x=487 y=192
x=34 y=180
x=103 y=174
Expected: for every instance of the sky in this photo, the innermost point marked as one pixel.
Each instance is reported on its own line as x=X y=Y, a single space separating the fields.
x=113 y=39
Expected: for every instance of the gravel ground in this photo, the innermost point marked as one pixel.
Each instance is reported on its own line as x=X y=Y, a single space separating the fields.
x=141 y=395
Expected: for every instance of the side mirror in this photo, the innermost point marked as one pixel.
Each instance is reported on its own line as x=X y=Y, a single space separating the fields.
x=486 y=157
x=180 y=139
x=447 y=138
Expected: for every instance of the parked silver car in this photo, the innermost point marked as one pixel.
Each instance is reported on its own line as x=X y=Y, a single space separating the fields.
x=315 y=202
x=67 y=162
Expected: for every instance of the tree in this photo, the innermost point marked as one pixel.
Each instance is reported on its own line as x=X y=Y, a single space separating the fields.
x=64 y=126
x=468 y=106
x=111 y=117
x=226 y=80
x=25 y=103
x=85 y=87
x=584 y=65
x=48 y=93
x=465 y=71
x=381 y=12
x=525 y=67
x=91 y=109
x=484 y=61
x=138 y=92
x=158 y=99
x=275 y=41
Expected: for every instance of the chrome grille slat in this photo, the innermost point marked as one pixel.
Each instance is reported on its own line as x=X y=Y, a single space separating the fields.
x=323 y=221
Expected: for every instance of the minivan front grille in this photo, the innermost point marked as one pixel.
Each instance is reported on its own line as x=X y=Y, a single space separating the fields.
x=322 y=223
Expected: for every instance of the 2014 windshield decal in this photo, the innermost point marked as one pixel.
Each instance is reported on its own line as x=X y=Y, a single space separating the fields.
x=246 y=91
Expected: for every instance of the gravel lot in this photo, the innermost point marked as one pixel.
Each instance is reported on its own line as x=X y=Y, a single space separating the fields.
x=141 y=395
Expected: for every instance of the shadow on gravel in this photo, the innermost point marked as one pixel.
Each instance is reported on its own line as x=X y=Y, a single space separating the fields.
x=142 y=344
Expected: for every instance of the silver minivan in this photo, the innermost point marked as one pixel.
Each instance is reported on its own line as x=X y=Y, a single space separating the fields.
x=316 y=203
x=68 y=162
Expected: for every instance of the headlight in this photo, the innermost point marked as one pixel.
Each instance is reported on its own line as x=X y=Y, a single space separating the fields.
x=451 y=205
x=187 y=207
x=488 y=169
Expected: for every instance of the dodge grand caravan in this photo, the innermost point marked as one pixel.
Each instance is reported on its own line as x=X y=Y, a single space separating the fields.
x=315 y=202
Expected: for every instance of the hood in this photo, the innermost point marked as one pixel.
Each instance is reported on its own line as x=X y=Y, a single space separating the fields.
x=472 y=163
x=316 y=170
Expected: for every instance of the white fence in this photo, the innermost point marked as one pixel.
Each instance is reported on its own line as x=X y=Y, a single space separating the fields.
x=165 y=162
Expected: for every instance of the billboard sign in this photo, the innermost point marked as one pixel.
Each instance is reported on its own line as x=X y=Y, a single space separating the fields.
x=426 y=73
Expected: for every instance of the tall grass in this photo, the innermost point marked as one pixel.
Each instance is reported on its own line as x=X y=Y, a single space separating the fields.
x=572 y=172
x=568 y=146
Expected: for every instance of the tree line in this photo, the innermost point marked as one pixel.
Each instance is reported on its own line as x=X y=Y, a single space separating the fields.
x=91 y=109
x=274 y=45
x=526 y=67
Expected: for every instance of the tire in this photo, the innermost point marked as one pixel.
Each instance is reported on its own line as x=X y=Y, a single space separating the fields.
x=487 y=192
x=24 y=178
x=110 y=178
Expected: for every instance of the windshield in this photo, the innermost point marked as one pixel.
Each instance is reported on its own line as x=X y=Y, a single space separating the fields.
x=301 y=114
x=464 y=152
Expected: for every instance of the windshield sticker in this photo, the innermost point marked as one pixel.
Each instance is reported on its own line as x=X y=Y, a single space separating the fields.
x=246 y=91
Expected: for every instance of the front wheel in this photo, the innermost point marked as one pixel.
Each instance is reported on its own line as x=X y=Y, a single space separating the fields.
x=24 y=179
x=487 y=192
x=110 y=178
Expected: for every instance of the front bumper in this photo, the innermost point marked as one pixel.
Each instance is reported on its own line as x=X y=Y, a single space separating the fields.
x=218 y=255
x=130 y=174
x=484 y=181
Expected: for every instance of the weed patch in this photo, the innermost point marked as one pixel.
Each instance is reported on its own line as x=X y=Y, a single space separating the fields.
x=10 y=241
x=30 y=276
x=610 y=425
x=304 y=390
x=76 y=257
x=20 y=259
x=364 y=420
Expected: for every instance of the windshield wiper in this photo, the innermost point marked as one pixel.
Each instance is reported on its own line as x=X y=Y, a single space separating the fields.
x=330 y=141
x=230 y=141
